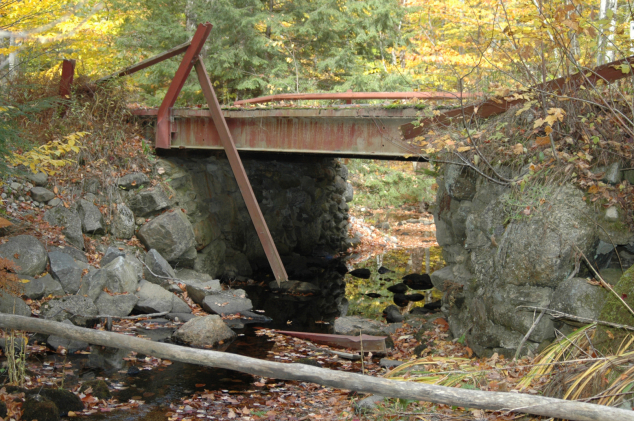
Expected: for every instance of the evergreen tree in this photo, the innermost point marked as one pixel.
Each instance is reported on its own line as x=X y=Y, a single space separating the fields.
x=261 y=47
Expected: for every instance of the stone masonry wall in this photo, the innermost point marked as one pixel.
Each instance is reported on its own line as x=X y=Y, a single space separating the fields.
x=304 y=202
x=506 y=250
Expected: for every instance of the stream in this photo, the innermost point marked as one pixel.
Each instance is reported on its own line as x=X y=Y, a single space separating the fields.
x=163 y=385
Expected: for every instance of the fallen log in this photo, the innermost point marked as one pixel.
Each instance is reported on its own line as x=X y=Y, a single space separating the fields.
x=497 y=401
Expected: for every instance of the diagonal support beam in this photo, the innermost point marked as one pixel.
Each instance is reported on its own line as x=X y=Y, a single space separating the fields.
x=241 y=176
x=163 y=132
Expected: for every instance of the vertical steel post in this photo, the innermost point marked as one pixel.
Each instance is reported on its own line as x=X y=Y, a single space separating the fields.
x=68 y=73
x=241 y=176
x=163 y=134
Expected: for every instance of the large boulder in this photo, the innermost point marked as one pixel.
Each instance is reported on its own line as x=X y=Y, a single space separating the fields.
x=66 y=271
x=123 y=222
x=203 y=332
x=171 y=234
x=154 y=299
x=133 y=181
x=237 y=264
x=116 y=305
x=607 y=338
x=295 y=287
x=41 y=194
x=28 y=254
x=157 y=270
x=91 y=217
x=148 y=201
x=577 y=297
x=353 y=325
x=118 y=276
x=211 y=259
x=227 y=302
x=80 y=310
x=71 y=251
x=45 y=286
x=10 y=304
x=70 y=222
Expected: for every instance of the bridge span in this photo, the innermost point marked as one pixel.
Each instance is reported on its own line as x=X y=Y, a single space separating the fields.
x=347 y=130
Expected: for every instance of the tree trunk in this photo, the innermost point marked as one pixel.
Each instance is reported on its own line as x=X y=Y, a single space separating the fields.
x=511 y=402
x=605 y=48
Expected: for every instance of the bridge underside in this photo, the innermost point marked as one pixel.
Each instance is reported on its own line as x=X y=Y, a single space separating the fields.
x=356 y=132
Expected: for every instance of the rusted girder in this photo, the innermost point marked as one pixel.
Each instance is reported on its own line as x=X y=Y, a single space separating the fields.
x=241 y=176
x=607 y=73
x=65 y=83
x=191 y=54
x=348 y=131
x=148 y=62
x=349 y=96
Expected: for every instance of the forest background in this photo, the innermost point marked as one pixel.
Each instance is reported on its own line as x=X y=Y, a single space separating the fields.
x=262 y=47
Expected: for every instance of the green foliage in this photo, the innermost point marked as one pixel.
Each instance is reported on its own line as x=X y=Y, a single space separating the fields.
x=379 y=184
x=263 y=47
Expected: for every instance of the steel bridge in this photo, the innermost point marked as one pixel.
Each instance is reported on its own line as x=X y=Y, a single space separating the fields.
x=345 y=130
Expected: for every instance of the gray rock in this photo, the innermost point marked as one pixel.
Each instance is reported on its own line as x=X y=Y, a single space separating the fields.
x=118 y=276
x=368 y=404
x=116 y=305
x=349 y=193
x=148 y=201
x=41 y=194
x=69 y=221
x=72 y=252
x=389 y=364
x=42 y=287
x=392 y=314
x=66 y=271
x=227 y=302
x=211 y=259
x=78 y=309
x=123 y=222
x=352 y=325
x=91 y=217
x=70 y=345
x=295 y=287
x=199 y=289
x=237 y=264
x=110 y=254
x=577 y=297
x=613 y=174
x=612 y=214
x=450 y=275
x=204 y=331
x=39 y=178
x=170 y=234
x=13 y=305
x=157 y=270
x=133 y=181
x=55 y=202
x=154 y=299
x=28 y=254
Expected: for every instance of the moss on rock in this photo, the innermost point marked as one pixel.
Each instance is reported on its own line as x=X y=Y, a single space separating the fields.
x=38 y=408
x=609 y=339
x=99 y=389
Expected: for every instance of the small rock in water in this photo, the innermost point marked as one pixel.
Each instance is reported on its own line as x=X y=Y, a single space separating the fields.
x=382 y=270
x=361 y=273
x=133 y=371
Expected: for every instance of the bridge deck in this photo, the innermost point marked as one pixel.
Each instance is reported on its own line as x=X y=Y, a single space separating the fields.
x=354 y=131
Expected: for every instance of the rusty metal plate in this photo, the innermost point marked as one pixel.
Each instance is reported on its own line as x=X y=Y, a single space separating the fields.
x=364 y=132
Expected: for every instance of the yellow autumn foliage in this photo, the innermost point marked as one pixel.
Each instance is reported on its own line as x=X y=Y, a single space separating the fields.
x=50 y=157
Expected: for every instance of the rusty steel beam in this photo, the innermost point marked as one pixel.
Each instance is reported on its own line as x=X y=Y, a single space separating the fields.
x=352 y=132
x=148 y=62
x=163 y=132
x=608 y=73
x=241 y=176
x=68 y=74
x=349 y=96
